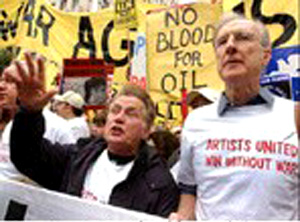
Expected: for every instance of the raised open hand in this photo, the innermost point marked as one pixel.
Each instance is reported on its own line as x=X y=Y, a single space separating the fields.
x=29 y=76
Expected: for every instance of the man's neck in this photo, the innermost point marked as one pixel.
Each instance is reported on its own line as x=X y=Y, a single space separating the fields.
x=7 y=114
x=69 y=115
x=239 y=95
x=121 y=150
x=2 y=125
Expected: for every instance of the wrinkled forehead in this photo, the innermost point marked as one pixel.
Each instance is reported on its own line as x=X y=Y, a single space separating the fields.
x=239 y=25
x=127 y=101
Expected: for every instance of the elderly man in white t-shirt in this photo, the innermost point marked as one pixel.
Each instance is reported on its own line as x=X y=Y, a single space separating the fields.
x=240 y=155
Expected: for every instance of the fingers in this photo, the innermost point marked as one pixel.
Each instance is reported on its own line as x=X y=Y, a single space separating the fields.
x=29 y=72
x=29 y=76
x=30 y=64
x=41 y=69
x=21 y=73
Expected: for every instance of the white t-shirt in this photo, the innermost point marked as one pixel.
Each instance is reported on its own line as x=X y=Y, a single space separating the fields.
x=102 y=177
x=79 y=127
x=244 y=162
x=57 y=130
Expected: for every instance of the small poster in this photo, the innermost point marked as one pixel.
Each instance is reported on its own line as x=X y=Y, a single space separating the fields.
x=125 y=14
x=88 y=77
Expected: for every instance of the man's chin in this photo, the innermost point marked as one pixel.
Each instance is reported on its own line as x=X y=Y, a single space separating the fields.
x=232 y=76
x=120 y=148
x=115 y=141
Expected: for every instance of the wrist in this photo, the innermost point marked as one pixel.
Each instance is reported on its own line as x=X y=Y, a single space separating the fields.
x=25 y=109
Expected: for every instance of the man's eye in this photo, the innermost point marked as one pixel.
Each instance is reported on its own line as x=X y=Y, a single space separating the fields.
x=243 y=36
x=133 y=113
x=221 y=42
x=114 y=110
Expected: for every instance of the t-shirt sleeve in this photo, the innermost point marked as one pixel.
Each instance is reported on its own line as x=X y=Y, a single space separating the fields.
x=186 y=174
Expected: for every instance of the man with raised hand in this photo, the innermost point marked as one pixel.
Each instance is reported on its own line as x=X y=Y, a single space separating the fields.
x=56 y=128
x=240 y=155
x=121 y=170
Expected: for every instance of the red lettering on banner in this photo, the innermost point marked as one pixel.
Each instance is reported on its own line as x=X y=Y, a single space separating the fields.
x=139 y=81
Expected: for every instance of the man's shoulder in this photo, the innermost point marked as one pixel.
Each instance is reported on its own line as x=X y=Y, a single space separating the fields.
x=280 y=102
x=92 y=143
x=77 y=120
x=157 y=171
x=201 y=114
x=89 y=148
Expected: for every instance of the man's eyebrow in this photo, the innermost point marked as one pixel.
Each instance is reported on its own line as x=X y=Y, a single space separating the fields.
x=130 y=108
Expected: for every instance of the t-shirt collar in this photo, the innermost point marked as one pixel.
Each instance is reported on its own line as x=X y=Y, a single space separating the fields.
x=264 y=97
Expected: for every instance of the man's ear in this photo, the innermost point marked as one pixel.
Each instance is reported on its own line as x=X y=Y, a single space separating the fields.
x=267 y=54
x=147 y=132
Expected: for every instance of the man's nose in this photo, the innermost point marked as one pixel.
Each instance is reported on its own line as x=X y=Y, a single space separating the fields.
x=2 y=84
x=231 y=45
x=120 y=116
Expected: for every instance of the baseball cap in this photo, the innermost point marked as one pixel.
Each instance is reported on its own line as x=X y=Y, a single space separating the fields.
x=205 y=92
x=72 y=98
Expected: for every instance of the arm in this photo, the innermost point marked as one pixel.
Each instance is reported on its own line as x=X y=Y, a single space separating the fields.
x=34 y=156
x=186 y=209
x=168 y=198
x=186 y=180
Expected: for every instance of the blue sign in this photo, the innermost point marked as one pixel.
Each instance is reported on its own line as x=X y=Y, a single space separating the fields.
x=284 y=64
x=296 y=88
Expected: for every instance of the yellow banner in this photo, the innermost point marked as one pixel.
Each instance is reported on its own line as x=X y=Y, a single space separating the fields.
x=229 y=5
x=180 y=54
x=281 y=18
x=57 y=35
x=10 y=13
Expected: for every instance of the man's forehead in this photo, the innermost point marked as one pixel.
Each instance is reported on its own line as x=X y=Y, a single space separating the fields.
x=127 y=101
x=241 y=25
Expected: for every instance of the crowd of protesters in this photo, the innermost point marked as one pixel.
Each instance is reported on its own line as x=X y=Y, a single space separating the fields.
x=121 y=158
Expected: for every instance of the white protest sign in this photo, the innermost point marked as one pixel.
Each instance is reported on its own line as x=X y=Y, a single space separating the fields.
x=20 y=201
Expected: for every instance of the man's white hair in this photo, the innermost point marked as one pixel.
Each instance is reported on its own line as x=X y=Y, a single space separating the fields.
x=228 y=17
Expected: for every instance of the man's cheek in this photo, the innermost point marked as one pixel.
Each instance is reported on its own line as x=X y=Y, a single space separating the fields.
x=3 y=103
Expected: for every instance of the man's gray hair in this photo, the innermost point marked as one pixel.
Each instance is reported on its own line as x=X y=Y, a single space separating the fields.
x=144 y=96
x=228 y=17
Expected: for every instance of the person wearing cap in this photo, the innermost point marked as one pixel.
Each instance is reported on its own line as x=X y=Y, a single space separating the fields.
x=121 y=169
x=240 y=155
x=201 y=97
x=70 y=106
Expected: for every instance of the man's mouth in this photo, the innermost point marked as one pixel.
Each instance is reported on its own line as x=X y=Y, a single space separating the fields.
x=232 y=61
x=2 y=95
x=115 y=130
